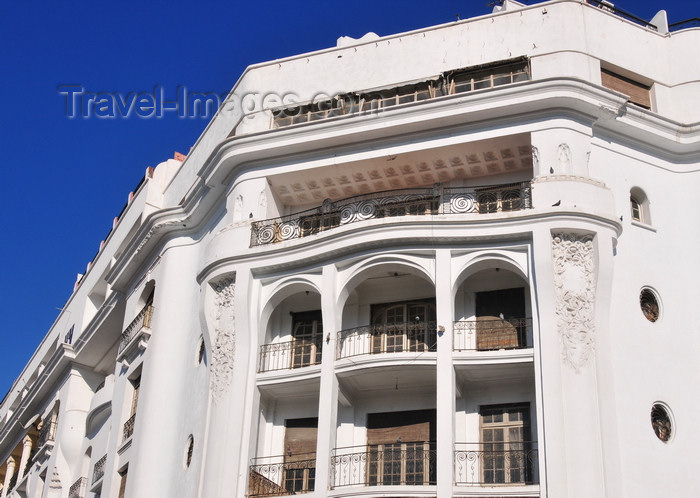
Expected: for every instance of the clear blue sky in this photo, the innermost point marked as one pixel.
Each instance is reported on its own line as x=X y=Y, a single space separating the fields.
x=65 y=180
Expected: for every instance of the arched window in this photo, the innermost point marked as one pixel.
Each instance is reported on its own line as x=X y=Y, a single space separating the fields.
x=639 y=206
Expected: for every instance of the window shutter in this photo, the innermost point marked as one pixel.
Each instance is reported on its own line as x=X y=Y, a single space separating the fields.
x=638 y=93
x=386 y=428
x=300 y=438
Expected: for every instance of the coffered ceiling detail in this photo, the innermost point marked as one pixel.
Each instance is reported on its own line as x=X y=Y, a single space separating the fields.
x=474 y=160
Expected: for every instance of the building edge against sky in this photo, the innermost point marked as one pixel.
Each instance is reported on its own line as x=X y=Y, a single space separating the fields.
x=449 y=262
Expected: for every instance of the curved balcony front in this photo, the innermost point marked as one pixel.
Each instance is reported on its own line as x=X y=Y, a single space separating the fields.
x=393 y=203
x=100 y=405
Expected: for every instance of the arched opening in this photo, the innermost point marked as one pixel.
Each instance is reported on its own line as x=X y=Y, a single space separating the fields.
x=492 y=310
x=387 y=375
x=294 y=329
x=389 y=308
x=639 y=206
x=493 y=323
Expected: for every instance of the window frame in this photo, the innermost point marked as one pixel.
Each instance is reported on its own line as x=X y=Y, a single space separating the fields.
x=522 y=444
x=405 y=336
x=307 y=345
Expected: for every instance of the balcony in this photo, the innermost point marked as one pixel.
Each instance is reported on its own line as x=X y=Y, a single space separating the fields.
x=393 y=203
x=45 y=441
x=98 y=470
x=282 y=475
x=77 y=489
x=136 y=335
x=496 y=464
x=394 y=338
x=128 y=429
x=394 y=464
x=492 y=334
x=291 y=354
x=364 y=102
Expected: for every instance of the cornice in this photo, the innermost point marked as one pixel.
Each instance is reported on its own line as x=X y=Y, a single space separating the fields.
x=522 y=104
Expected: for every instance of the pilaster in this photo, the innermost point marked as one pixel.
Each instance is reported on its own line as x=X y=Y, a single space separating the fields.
x=445 y=375
x=328 y=395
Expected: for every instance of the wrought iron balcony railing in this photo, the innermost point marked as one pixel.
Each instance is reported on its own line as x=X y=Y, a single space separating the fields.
x=129 y=427
x=503 y=463
x=98 y=470
x=405 y=202
x=292 y=354
x=491 y=333
x=282 y=475
x=77 y=489
x=393 y=464
x=142 y=320
x=47 y=432
x=395 y=338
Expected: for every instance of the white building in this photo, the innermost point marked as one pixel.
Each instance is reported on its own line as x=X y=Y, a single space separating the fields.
x=468 y=273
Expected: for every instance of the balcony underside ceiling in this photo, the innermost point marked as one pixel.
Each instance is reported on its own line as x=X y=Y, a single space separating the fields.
x=521 y=368
x=379 y=171
x=405 y=376
x=299 y=387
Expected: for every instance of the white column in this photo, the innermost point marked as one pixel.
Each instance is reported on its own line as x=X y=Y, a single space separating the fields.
x=26 y=451
x=8 y=476
x=445 y=385
x=328 y=394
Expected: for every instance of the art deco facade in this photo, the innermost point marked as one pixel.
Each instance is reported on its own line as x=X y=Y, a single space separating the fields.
x=459 y=261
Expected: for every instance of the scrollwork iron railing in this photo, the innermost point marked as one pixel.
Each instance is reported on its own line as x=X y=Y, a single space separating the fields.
x=395 y=338
x=282 y=475
x=393 y=203
x=505 y=463
x=292 y=354
x=98 y=471
x=489 y=333
x=143 y=319
x=77 y=489
x=394 y=464
x=129 y=427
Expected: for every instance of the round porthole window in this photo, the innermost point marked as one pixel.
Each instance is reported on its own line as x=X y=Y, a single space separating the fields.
x=661 y=422
x=649 y=304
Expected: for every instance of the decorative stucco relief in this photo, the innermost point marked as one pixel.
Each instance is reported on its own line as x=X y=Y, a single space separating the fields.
x=574 y=287
x=155 y=229
x=535 y=158
x=564 y=159
x=55 y=480
x=224 y=343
